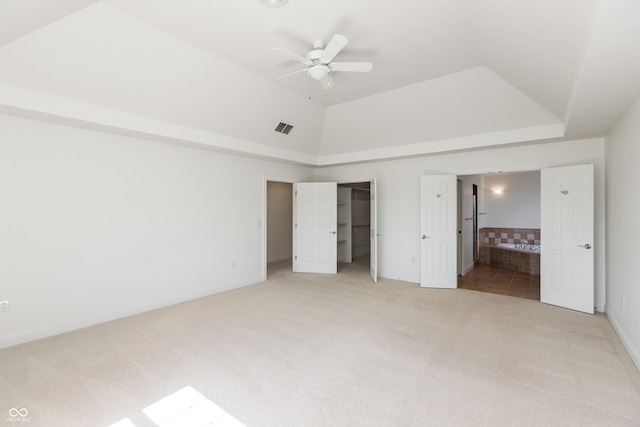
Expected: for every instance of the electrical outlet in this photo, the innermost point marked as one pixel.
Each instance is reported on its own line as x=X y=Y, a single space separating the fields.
x=4 y=306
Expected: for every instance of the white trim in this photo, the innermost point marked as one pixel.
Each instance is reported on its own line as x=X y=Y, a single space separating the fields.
x=72 y=325
x=55 y=109
x=634 y=353
x=445 y=145
x=468 y=268
x=485 y=170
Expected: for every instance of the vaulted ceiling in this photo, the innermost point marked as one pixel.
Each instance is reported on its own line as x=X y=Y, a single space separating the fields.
x=447 y=75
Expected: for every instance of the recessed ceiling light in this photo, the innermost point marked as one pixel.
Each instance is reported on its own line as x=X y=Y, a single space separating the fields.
x=273 y=3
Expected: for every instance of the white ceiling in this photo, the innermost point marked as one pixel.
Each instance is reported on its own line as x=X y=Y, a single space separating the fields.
x=448 y=74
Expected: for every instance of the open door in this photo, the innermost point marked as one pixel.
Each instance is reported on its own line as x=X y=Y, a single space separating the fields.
x=373 y=270
x=314 y=227
x=438 y=226
x=566 y=254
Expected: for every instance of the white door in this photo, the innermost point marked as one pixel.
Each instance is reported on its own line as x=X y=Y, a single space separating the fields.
x=438 y=212
x=315 y=226
x=566 y=257
x=373 y=270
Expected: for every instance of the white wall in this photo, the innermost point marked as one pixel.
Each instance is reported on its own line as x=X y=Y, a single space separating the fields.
x=96 y=226
x=399 y=196
x=518 y=206
x=623 y=229
x=279 y=220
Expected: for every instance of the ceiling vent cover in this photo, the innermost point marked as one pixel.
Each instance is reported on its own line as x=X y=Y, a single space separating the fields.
x=283 y=128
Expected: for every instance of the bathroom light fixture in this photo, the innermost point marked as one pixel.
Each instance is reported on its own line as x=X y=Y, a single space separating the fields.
x=273 y=3
x=498 y=191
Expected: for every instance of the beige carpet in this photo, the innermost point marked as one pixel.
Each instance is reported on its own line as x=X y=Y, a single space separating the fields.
x=328 y=350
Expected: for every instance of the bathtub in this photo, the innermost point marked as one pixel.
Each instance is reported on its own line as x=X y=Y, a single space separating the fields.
x=510 y=256
x=519 y=247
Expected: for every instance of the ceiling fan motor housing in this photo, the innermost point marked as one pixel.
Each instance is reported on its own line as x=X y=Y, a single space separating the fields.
x=314 y=55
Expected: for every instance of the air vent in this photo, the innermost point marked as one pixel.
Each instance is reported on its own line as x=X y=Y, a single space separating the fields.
x=283 y=128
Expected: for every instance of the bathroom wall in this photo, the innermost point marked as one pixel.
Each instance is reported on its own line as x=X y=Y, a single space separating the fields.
x=517 y=206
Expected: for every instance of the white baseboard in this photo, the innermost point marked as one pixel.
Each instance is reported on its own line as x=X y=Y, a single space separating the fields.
x=468 y=268
x=600 y=307
x=634 y=353
x=72 y=325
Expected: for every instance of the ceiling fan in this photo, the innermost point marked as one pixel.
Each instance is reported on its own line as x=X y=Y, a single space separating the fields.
x=320 y=63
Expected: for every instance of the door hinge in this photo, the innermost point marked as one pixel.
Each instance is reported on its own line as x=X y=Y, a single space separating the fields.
x=295 y=257
x=295 y=225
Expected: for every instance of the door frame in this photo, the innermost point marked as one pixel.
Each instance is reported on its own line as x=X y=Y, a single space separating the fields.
x=369 y=180
x=486 y=170
x=262 y=222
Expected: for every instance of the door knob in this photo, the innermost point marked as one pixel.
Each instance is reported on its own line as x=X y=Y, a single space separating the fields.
x=586 y=246
x=332 y=232
x=425 y=237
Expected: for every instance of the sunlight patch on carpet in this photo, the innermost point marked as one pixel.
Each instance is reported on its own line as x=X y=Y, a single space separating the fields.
x=185 y=407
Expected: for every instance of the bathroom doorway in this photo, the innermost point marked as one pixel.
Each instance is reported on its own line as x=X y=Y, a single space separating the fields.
x=501 y=208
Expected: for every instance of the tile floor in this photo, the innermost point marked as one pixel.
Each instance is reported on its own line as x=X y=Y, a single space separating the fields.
x=488 y=278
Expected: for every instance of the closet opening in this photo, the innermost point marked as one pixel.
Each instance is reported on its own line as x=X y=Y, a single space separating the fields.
x=354 y=226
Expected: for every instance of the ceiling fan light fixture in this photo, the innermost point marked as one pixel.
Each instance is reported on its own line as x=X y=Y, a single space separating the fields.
x=319 y=72
x=273 y=3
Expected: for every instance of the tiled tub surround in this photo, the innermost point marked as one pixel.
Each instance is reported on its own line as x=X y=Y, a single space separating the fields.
x=523 y=261
x=493 y=236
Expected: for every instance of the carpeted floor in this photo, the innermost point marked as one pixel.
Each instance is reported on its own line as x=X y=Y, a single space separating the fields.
x=329 y=350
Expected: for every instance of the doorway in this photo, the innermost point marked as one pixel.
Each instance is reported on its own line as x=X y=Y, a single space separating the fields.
x=501 y=208
x=279 y=222
x=354 y=223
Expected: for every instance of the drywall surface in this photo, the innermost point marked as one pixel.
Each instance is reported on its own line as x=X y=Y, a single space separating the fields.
x=95 y=226
x=622 y=177
x=517 y=205
x=399 y=196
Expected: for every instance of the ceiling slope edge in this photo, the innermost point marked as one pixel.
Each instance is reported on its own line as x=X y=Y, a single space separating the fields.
x=44 y=107
x=487 y=140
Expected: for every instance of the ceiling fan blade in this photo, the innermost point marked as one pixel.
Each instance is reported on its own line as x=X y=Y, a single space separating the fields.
x=294 y=56
x=291 y=74
x=362 y=67
x=335 y=45
x=326 y=82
